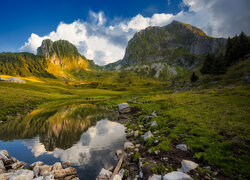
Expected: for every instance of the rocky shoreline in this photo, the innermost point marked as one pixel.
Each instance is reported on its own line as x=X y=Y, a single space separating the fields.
x=141 y=163
x=12 y=169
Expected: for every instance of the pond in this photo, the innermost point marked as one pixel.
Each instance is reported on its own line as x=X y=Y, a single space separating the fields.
x=84 y=134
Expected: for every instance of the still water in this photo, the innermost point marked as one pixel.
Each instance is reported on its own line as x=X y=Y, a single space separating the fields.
x=84 y=134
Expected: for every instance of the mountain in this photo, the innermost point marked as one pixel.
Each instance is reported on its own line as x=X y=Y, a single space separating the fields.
x=169 y=50
x=54 y=59
x=23 y=64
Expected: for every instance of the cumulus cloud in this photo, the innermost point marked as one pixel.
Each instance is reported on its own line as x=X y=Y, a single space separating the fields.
x=105 y=42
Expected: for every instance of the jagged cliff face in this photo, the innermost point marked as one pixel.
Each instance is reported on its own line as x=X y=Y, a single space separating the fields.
x=176 y=44
x=63 y=58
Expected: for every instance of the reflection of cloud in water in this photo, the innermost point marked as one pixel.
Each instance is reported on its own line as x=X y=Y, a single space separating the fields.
x=36 y=147
x=94 y=144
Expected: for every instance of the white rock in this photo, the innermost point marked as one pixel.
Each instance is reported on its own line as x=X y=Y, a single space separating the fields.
x=147 y=135
x=57 y=166
x=117 y=177
x=16 y=80
x=154 y=124
x=5 y=176
x=187 y=166
x=105 y=172
x=38 y=178
x=6 y=153
x=155 y=177
x=175 y=175
x=154 y=114
x=2 y=156
x=49 y=177
x=136 y=133
x=18 y=165
x=38 y=163
x=22 y=174
x=123 y=108
x=2 y=165
x=128 y=145
x=182 y=147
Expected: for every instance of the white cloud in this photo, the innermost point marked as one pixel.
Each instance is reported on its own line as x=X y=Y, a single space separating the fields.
x=105 y=43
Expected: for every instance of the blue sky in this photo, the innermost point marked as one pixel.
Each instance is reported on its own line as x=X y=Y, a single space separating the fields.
x=100 y=29
x=20 y=18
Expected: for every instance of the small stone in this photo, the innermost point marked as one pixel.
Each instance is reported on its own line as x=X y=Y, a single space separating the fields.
x=128 y=145
x=105 y=172
x=123 y=108
x=17 y=165
x=157 y=152
x=45 y=170
x=187 y=165
x=155 y=177
x=156 y=141
x=136 y=150
x=6 y=153
x=154 y=114
x=130 y=134
x=175 y=175
x=207 y=167
x=38 y=163
x=57 y=166
x=22 y=174
x=2 y=165
x=117 y=177
x=215 y=173
x=137 y=145
x=147 y=135
x=182 y=147
x=119 y=153
x=154 y=124
x=141 y=126
x=136 y=133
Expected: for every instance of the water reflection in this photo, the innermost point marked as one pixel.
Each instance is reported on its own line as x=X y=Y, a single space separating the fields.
x=85 y=135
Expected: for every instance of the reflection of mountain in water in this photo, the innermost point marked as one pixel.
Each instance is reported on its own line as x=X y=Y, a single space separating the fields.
x=57 y=127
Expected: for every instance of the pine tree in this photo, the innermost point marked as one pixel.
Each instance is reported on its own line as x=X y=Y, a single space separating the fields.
x=207 y=65
x=194 y=77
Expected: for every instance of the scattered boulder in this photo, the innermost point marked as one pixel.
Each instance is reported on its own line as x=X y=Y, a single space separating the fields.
x=187 y=166
x=128 y=145
x=123 y=108
x=175 y=175
x=182 y=147
x=147 y=135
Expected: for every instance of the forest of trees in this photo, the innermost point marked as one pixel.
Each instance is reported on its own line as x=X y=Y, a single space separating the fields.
x=236 y=49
